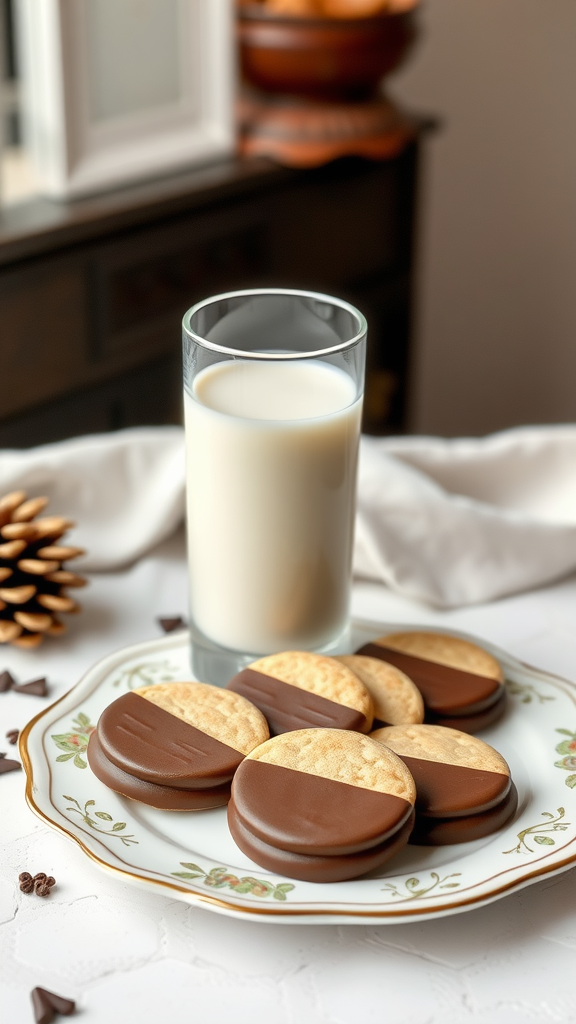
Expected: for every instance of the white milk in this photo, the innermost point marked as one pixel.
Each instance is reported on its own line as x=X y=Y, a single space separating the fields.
x=271 y=470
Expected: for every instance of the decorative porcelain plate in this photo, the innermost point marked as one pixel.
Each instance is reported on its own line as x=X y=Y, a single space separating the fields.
x=192 y=857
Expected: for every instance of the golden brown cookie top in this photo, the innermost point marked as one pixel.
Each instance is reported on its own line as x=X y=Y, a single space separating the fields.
x=451 y=651
x=340 y=755
x=447 y=746
x=396 y=699
x=323 y=676
x=222 y=714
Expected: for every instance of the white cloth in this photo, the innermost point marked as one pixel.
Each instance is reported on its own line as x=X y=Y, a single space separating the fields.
x=449 y=522
x=455 y=522
x=124 y=490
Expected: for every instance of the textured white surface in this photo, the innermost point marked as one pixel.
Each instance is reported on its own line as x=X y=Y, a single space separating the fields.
x=129 y=956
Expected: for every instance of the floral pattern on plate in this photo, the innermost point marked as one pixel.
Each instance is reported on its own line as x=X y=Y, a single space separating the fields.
x=74 y=743
x=568 y=761
x=219 y=878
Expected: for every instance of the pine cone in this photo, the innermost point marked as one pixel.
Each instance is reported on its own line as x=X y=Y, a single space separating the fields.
x=32 y=577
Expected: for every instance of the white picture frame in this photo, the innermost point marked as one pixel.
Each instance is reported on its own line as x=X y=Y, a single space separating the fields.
x=2 y=108
x=119 y=90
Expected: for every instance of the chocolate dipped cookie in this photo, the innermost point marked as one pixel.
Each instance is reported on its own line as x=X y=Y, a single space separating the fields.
x=461 y=684
x=299 y=690
x=321 y=805
x=188 y=736
x=463 y=786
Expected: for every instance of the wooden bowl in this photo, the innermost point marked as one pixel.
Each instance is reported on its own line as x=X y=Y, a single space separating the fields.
x=321 y=58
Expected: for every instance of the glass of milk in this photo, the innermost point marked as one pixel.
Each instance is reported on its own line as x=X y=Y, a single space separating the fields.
x=273 y=385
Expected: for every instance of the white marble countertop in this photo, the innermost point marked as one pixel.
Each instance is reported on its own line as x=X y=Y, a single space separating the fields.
x=129 y=956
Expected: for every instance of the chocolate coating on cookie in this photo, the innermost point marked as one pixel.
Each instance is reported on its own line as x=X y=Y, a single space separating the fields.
x=473 y=723
x=308 y=814
x=450 y=791
x=446 y=831
x=447 y=688
x=287 y=708
x=152 y=734
x=164 y=797
x=298 y=689
x=155 y=746
x=309 y=868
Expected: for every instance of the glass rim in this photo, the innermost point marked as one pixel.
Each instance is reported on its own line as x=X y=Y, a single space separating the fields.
x=362 y=325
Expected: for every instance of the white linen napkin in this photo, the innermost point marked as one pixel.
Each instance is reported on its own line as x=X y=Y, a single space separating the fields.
x=449 y=522
x=124 y=490
x=455 y=522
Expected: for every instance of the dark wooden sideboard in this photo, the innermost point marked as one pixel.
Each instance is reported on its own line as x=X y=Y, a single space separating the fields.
x=92 y=293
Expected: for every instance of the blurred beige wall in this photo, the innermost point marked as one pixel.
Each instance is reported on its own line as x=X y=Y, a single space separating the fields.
x=495 y=337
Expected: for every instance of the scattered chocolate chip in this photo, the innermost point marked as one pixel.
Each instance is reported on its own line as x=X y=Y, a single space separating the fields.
x=7 y=681
x=169 y=625
x=41 y=883
x=46 y=1004
x=6 y=765
x=2 y=753
x=63 y=1005
x=43 y=1009
x=36 y=687
x=12 y=736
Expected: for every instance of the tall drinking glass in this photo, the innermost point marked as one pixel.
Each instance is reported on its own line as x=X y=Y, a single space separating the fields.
x=273 y=386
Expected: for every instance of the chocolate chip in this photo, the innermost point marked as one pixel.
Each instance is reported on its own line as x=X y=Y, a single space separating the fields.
x=6 y=765
x=169 y=625
x=7 y=681
x=43 y=1009
x=43 y=883
x=12 y=736
x=46 y=1004
x=62 y=1005
x=36 y=687
x=2 y=753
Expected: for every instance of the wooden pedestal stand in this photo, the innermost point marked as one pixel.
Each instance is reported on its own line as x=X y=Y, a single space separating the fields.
x=312 y=87
x=304 y=133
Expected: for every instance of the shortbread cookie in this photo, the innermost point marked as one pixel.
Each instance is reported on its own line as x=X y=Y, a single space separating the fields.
x=463 y=785
x=183 y=735
x=300 y=690
x=322 y=794
x=396 y=699
x=457 y=679
x=167 y=798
